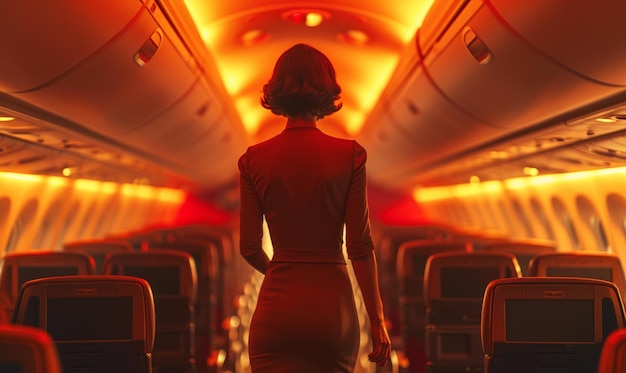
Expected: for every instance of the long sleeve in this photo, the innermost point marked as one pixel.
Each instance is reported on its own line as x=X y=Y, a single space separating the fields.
x=251 y=221
x=358 y=236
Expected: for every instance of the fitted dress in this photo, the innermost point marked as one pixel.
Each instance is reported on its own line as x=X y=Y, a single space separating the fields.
x=306 y=185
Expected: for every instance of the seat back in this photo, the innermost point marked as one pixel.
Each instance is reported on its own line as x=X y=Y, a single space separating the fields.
x=98 y=249
x=173 y=279
x=25 y=349
x=206 y=306
x=548 y=324
x=613 y=355
x=107 y=321
x=17 y=268
x=454 y=285
x=524 y=251
x=598 y=265
x=410 y=264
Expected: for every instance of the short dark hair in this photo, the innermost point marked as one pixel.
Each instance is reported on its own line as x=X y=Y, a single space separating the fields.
x=303 y=82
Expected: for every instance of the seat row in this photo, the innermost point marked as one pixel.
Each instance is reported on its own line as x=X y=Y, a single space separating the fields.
x=185 y=295
x=441 y=284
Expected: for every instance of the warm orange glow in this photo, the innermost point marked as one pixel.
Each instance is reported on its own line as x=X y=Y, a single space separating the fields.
x=6 y=119
x=363 y=59
x=313 y=19
x=520 y=183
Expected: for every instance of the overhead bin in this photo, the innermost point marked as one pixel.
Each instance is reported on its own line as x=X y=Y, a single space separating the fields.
x=114 y=83
x=586 y=37
x=490 y=70
x=191 y=134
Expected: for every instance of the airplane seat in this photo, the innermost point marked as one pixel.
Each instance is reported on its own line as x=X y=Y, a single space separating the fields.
x=6 y=309
x=18 y=267
x=98 y=323
x=172 y=277
x=230 y=278
x=454 y=285
x=586 y=264
x=205 y=257
x=98 y=249
x=478 y=239
x=548 y=324
x=524 y=251
x=613 y=354
x=387 y=244
x=411 y=263
x=25 y=349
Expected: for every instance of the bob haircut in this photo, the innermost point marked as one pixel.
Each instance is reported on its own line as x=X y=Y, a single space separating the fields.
x=303 y=82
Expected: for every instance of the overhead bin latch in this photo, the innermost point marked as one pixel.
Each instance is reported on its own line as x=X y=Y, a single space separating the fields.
x=476 y=46
x=149 y=48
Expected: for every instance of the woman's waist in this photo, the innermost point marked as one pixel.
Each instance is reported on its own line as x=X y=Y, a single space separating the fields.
x=308 y=255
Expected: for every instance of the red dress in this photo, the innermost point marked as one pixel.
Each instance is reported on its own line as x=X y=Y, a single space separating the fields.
x=307 y=185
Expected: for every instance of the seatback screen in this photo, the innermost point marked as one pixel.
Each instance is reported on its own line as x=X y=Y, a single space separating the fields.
x=466 y=282
x=90 y=318
x=549 y=320
x=27 y=273
x=164 y=280
x=601 y=273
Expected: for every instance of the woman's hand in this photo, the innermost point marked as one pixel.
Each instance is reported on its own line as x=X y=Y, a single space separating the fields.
x=381 y=342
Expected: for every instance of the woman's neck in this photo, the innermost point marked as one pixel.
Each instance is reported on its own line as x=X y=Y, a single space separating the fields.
x=303 y=121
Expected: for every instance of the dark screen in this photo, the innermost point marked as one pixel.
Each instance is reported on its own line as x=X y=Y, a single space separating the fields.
x=466 y=282
x=549 y=320
x=601 y=273
x=27 y=273
x=10 y=367
x=455 y=344
x=90 y=318
x=164 y=280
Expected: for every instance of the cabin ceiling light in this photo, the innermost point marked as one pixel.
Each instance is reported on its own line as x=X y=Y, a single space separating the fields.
x=254 y=37
x=530 y=171
x=354 y=37
x=606 y=120
x=310 y=18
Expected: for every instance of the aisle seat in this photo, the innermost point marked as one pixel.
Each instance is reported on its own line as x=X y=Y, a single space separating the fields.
x=98 y=249
x=99 y=323
x=613 y=354
x=454 y=285
x=24 y=349
x=602 y=266
x=524 y=251
x=17 y=268
x=173 y=279
x=548 y=324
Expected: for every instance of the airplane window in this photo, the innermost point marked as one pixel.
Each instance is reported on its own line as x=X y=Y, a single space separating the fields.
x=14 y=236
x=71 y=215
x=616 y=206
x=566 y=222
x=24 y=218
x=503 y=213
x=542 y=219
x=44 y=227
x=588 y=213
x=599 y=233
x=521 y=215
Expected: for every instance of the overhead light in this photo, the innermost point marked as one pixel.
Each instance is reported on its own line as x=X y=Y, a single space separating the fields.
x=530 y=171
x=253 y=37
x=606 y=120
x=6 y=119
x=313 y=19
x=306 y=17
x=354 y=37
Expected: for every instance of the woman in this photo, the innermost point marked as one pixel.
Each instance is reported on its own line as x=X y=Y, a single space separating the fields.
x=307 y=186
